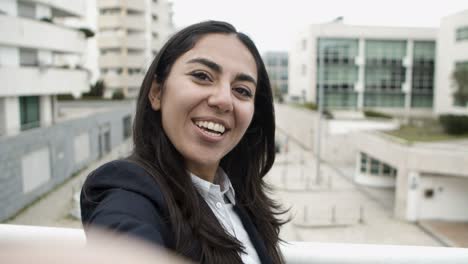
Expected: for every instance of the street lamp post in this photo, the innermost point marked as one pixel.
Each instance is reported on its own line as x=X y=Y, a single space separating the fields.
x=322 y=51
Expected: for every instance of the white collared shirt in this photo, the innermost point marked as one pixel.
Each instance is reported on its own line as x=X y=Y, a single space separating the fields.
x=224 y=210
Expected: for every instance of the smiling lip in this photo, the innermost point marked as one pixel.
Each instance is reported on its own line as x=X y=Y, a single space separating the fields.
x=208 y=137
x=214 y=120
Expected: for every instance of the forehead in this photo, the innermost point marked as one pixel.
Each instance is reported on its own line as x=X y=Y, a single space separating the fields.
x=226 y=50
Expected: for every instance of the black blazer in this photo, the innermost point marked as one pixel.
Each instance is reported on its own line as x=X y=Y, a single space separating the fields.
x=121 y=196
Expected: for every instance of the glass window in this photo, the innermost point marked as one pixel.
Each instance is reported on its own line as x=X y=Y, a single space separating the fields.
x=363 y=162
x=460 y=74
x=386 y=169
x=340 y=73
x=374 y=166
x=28 y=57
x=29 y=112
x=27 y=10
x=462 y=33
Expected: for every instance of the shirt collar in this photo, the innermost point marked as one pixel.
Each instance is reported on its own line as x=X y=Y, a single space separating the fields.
x=222 y=186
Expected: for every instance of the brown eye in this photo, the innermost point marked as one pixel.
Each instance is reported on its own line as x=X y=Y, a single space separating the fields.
x=243 y=92
x=201 y=76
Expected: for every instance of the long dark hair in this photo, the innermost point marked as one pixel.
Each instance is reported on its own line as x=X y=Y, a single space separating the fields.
x=246 y=164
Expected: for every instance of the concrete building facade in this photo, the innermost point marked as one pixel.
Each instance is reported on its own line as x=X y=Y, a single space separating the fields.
x=430 y=179
x=37 y=45
x=452 y=54
x=364 y=67
x=276 y=64
x=130 y=34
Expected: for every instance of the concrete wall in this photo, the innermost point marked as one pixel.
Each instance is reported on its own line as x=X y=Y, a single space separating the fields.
x=449 y=51
x=443 y=197
x=36 y=160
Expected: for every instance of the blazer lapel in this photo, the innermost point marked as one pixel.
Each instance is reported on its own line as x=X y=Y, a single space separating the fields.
x=255 y=237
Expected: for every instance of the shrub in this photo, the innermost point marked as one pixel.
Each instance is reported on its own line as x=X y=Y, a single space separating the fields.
x=310 y=106
x=87 y=32
x=454 y=124
x=96 y=90
x=65 y=97
x=375 y=114
x=118 y=95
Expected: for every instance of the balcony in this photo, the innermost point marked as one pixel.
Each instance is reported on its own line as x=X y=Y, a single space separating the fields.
x=65 y=8
x=114 y=42
x=135 y=22
x=42 y=81
x=29 y=33
x=134 y=5
x=119 y=60
x=119 y=81
x=294 y=252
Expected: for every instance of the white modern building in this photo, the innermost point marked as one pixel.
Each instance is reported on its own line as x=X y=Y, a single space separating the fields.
x=276 y=64
x=130 y=34
x=40 y=57
x=389 y=68
x=430 y=180
x=452 y=54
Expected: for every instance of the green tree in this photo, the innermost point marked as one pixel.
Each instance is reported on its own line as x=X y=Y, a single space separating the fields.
x=97 y=90
x=460 y=78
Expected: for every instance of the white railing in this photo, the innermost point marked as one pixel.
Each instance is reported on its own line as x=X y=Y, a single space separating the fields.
x=294 y=252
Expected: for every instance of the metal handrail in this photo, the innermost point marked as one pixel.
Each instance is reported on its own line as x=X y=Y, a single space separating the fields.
x=294 y=252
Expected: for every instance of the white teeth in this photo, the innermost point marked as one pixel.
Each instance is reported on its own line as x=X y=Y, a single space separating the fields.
x=211 y=126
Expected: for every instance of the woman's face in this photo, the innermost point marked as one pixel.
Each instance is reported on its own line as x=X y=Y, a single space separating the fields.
x=207 y=101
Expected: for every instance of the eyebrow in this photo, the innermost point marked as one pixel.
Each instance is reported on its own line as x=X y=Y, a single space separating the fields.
x=218 y=69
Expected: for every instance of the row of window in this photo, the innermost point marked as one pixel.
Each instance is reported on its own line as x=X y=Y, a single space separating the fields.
x=338 y=97
x=131 y=71
x=375 y=167
x=276 y=61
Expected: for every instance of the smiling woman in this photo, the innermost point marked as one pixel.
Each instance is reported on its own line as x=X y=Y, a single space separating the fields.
x=204 y=139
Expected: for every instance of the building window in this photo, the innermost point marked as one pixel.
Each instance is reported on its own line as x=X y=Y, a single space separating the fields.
x=336 y=57
x=28 y=57
x=127 y=126
x=369 y=165
x=29 y=112
x=374 y=167
x=462 y=33
x=460 y=75
x=26 y=10
x=363 y=162
x=423 y=74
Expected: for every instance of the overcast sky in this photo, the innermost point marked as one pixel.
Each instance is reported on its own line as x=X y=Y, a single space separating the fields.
x=273 y=24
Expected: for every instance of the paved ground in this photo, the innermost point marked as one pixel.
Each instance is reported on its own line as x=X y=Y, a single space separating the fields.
x=335 y=210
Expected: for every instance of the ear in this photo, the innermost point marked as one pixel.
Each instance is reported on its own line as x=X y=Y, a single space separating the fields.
x=154 y=96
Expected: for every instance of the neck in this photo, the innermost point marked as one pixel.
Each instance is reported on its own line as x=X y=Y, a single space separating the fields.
x=207 y=173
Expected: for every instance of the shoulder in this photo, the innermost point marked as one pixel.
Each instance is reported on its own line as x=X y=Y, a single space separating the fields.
x=125 y=176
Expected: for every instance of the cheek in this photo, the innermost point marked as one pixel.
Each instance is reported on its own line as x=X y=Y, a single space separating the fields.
x=245 y=116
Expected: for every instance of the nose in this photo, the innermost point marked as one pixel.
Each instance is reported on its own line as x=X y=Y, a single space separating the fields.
x=221 y=98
